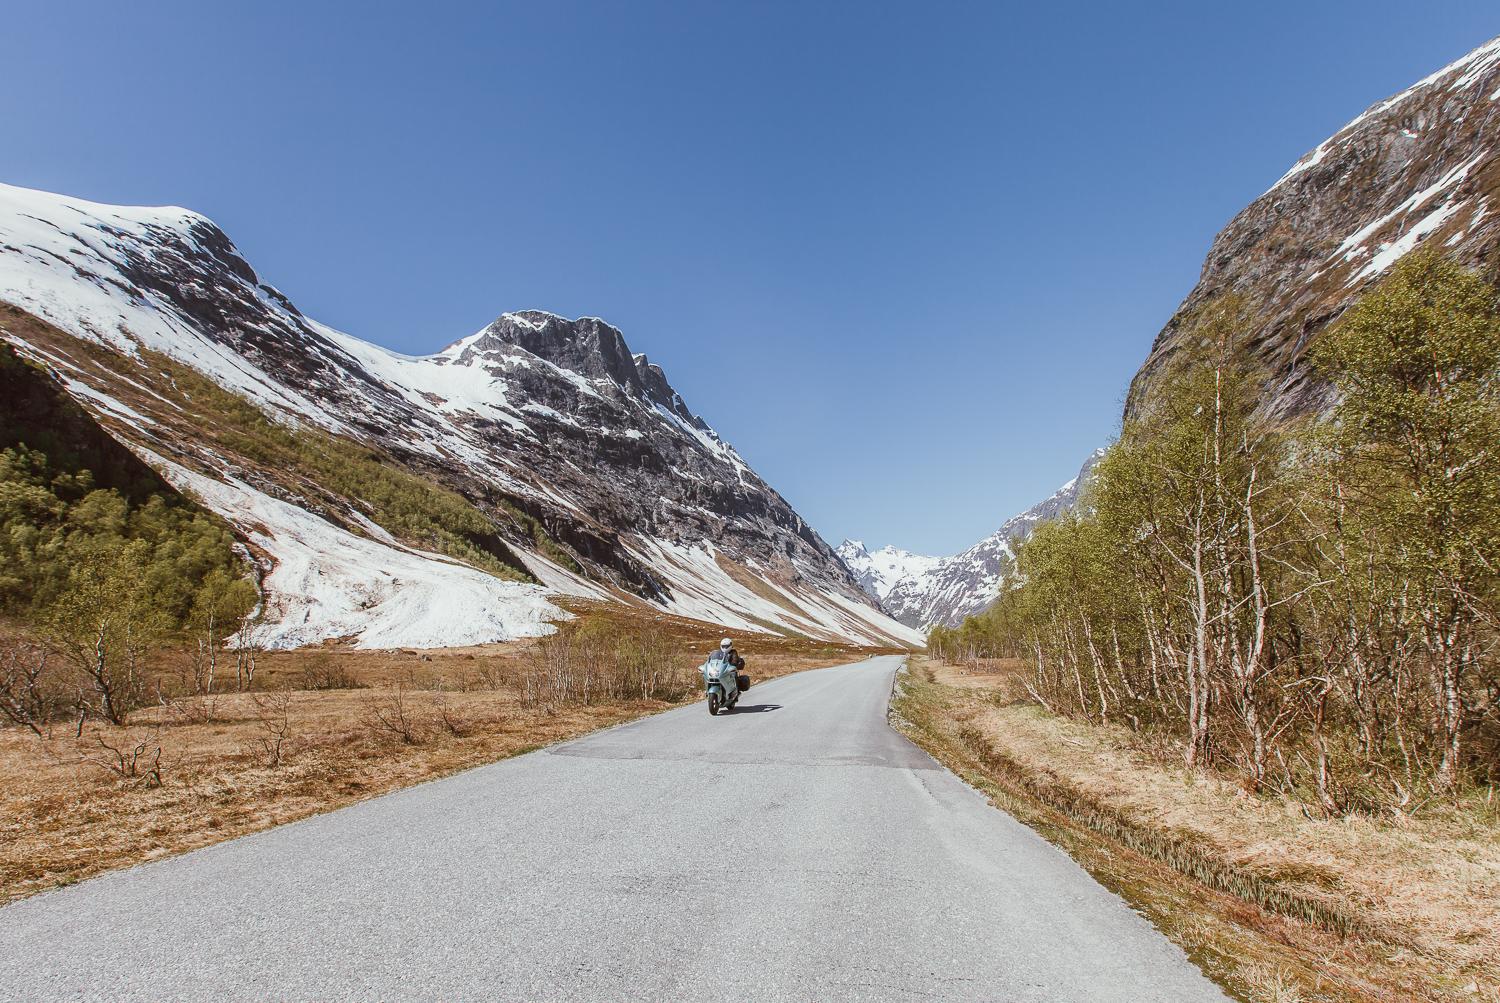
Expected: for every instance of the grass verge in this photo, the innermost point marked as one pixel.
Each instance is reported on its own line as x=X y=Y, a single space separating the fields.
x=1273 y=905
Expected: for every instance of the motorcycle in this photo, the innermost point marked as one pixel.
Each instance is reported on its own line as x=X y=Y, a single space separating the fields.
x=723 y=684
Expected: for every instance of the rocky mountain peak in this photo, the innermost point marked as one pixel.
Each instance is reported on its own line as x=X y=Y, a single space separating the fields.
x=654 y=379
x=879 y=571
x=590 y=348
x=587 y=346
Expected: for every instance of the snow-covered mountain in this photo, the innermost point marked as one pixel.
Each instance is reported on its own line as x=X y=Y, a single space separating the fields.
x=923 y=592
x=878 y=572
x=578 y=462
x=1420 y=168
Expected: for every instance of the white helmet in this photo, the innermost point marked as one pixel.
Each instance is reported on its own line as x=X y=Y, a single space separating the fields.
x=726 y=644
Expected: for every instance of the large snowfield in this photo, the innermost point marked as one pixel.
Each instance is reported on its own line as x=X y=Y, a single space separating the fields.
x=328 y=583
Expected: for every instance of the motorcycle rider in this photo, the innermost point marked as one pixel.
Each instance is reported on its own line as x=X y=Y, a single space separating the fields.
x=727 y=653
x=722 y=678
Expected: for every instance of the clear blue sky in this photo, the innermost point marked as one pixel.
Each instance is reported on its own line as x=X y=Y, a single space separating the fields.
x=927 y=244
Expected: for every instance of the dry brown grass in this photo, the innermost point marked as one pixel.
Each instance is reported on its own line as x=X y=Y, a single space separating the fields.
x=236 y=763
x=1324 y=909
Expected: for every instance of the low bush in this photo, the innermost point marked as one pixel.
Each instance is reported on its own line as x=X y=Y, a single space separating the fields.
x=588 y=662
x=328 y=673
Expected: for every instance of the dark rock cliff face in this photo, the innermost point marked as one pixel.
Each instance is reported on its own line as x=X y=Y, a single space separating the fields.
x=37 y=413
x=1418 y=169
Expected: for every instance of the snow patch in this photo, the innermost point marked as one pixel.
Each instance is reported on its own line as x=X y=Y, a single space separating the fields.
x=1393 y=252
x=703 y=590
x=1353 y=245
x=329 y=583
x=124 y=412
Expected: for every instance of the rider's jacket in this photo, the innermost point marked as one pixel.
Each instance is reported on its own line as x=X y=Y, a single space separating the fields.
x=731 y=656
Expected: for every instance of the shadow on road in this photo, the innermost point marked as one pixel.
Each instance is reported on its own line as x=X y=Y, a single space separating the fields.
x=755 y=708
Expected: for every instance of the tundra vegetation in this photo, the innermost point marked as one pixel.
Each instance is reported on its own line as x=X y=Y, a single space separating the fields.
x=1310 y=605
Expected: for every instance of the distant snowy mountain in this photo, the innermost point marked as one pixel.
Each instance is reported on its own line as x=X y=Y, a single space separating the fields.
x=880 y=571
x=593 y=476
x=923 y=592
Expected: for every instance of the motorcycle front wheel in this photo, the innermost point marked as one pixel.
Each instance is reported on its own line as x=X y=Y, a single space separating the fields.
x=713 y=704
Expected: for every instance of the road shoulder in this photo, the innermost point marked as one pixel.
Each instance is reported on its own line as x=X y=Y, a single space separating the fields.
x=1258 y=937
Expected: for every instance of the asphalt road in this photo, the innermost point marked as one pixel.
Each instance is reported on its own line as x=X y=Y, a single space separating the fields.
x=798 y=849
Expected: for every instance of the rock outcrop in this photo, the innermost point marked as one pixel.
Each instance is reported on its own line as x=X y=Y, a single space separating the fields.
x=1421 y=168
